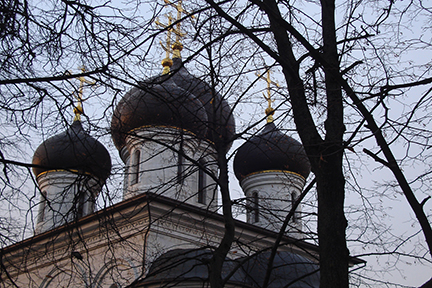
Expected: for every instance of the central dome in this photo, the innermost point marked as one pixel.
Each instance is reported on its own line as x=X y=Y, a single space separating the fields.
x=177 y=100
x=158 y=102
x=221 y=124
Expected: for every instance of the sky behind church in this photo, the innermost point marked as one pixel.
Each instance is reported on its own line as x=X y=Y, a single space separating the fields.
x=392 y=209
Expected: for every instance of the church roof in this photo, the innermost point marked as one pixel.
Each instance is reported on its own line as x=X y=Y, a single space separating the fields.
x=179 y=266
x=157 y=102
x=177 y=100
x=73 y=149
x=288 y=270
x=185 y=265
x=271 y=150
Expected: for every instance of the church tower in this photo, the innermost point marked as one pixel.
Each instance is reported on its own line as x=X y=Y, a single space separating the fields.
x=167 y=129
x=70 y=169
x=272 y=169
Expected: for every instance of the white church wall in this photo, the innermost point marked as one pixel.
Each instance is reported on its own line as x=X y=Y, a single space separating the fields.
x=65 y=197
x=159 y=170
x=270 y=196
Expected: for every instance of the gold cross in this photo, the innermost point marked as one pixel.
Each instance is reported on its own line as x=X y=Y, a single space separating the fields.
x=78 y=110
x=167 y=62
x=179 y=9
x=269 y=111
x=178 y=46
x=169 y=29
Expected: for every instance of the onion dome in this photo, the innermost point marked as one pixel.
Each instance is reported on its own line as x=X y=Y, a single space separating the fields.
x=271 y=150
x=189 y=266
x=157 y=102
x=185 y=267
x=289 y=270
x=73 y=150
x=220 y=118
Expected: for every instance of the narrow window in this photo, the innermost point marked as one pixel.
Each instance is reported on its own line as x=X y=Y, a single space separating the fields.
x=80 y=204
x=293 y=200
x=180 y=168
x=201 y=183
x=136 y=167
x=255 y=207
x=42 y=206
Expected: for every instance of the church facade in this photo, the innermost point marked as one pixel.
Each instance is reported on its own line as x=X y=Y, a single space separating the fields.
x=168 y=131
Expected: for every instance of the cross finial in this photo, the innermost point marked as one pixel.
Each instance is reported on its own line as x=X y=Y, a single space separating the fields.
x=177 y=46
x=269 y=111
x=78 y=109
x=166 y=62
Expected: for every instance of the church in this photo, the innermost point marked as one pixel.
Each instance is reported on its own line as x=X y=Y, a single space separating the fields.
x=169 y=131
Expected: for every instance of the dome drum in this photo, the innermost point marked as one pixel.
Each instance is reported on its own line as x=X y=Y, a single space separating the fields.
x=70 y=196
x=271 y=194
x=158 y=164
x=265 y=178
x=166 y=136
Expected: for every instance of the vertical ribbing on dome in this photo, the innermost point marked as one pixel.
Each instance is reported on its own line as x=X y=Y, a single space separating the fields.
x=221 y=124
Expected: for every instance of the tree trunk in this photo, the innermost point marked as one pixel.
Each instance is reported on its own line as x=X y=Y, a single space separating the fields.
x=330 y=179
x=331 y=219
x=325 y=155
x=219 y=255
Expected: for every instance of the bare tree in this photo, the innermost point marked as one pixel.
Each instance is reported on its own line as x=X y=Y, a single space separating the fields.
x=338 y=85
x=317 y=50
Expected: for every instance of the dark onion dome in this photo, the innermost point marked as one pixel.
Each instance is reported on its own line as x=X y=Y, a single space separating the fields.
x=289 y=270
x=157 y=102
x=220 y=118
x=188 y=265
x=271 y=150
x=73 y=150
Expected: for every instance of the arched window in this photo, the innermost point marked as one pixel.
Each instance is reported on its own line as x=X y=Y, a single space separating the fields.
x=293 y=200
x=135 y=169
x=42 y=206
x=255 y=207
x=201 y=183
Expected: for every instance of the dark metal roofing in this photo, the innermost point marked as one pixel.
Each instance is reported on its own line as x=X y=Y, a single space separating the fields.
x=221 y=124
x=73 y=149
x=159 y=102
x=192 y=265
x=288 y=270
x=271 y=150
x=186 y=265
